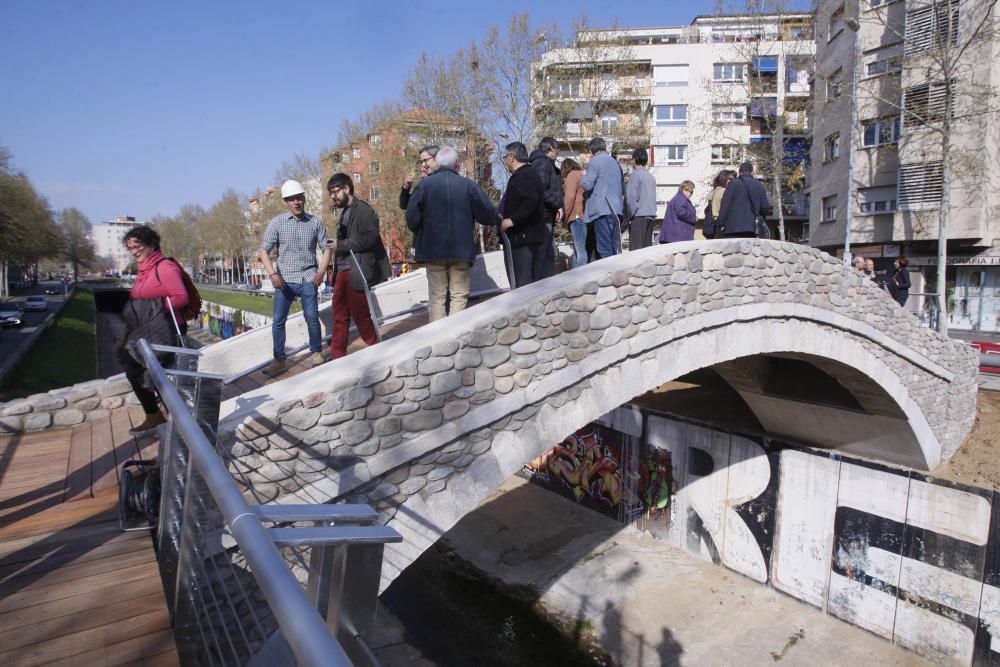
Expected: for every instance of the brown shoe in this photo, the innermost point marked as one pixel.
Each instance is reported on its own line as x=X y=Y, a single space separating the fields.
x=149 y=423
x=317 y=359
x=276 y=367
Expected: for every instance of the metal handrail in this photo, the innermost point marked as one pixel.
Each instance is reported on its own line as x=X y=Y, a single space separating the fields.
x=301 y=624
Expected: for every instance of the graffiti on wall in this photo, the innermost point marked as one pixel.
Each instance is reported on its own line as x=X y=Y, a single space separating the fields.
x=586 y=467
x=913 y=559
x=226 y=322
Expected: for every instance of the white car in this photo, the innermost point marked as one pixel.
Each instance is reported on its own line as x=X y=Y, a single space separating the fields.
x=36 y=303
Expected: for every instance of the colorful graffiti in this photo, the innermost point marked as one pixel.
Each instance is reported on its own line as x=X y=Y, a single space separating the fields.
x=226 y=322
x=586 y=467
x=908 y=557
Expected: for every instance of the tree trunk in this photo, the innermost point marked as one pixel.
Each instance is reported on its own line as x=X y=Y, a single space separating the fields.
x=942 y=254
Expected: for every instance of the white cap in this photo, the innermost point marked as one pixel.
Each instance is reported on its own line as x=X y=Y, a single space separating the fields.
x=291 y=188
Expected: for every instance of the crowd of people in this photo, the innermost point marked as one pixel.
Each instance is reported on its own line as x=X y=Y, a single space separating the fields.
x=595 y=204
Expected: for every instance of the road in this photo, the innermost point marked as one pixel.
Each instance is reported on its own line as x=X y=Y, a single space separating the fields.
x=14 y=342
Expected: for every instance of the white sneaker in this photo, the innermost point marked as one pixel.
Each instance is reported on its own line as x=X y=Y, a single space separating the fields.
x=275 y=367
x=317 y=359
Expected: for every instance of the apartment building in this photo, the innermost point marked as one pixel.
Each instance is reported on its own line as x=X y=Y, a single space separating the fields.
x=701 y=97
x=906 y=128
x=109 y=241
x=380 y=161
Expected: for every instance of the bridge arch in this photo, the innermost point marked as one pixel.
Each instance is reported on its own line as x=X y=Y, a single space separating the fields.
x=426 y=425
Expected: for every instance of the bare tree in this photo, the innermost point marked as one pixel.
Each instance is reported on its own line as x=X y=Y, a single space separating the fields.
x=78 y=248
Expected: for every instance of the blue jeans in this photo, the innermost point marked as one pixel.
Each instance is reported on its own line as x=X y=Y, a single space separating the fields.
x=283 y=299
x=578 y=228
x=607 y=235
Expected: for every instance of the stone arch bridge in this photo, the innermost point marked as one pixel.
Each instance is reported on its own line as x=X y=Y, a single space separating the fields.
x=426 y=425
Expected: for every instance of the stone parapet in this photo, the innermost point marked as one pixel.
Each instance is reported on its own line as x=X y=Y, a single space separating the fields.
x=66 y=406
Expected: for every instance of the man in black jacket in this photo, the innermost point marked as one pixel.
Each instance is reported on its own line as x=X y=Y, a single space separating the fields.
x=428 y=165
x=543 y=160
x=523 y=211
x=745 y=198
x=441 y=213
x=357 y=232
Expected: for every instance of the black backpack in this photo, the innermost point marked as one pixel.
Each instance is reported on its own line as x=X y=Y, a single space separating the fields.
x=709 y=227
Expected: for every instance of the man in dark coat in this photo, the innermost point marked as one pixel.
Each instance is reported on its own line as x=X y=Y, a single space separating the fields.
x=523 y=211
x=357 y=232
x=544 y=161
x=745 y=197
x=441 y=213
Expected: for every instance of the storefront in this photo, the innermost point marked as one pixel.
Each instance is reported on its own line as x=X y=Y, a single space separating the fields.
x=973 y=290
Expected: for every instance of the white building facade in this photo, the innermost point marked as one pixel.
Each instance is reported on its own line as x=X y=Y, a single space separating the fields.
x=907 y=126
x=700 y=98
x=109 y=241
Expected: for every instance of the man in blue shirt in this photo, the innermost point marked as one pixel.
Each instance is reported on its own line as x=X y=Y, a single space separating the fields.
x=603 y=183
x=297 y=236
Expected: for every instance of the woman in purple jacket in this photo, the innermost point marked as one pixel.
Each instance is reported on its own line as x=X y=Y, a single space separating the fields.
x=680 y=218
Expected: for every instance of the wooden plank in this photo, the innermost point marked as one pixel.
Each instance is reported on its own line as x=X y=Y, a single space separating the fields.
x=132 y=630
x=103 y=463
x=88 y=538
x=63 y=518
x=78 y=604
x=68 y=555
x=110 y=609
x=125 y=444
x=153 y=649
x=98 y=585
x=78 y=479
x=79 y=571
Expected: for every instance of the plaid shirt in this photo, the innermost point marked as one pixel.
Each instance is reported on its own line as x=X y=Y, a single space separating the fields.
x=297 y=241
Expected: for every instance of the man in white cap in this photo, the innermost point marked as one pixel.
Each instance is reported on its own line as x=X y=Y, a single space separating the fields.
x=297 y=236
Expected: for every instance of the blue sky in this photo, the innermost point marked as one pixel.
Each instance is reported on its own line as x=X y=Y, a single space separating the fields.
x=137 y=108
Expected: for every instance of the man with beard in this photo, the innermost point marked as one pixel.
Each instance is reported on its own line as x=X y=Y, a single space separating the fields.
x=357 y=232
x=428 y=165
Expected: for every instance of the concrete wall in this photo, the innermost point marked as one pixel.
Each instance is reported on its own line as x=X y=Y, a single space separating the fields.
x=907 y=557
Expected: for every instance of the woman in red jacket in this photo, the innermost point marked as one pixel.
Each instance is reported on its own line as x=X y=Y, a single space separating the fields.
x=146 y=315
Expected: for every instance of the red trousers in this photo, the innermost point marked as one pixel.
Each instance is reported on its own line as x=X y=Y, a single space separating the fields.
x=349 y=304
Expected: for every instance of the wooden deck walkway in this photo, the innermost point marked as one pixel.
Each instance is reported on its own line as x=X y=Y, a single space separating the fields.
x=74 y=589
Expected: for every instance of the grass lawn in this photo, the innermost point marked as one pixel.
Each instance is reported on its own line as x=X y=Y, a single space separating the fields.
x=64 y=354
x=249 y=302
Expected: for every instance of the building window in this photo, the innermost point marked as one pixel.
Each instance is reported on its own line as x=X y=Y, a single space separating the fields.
x=670 y=75
x=836 y=24
x=670 y=114
x=729 y=115
x=883 y=61
x=872 y=201
x=925 y=104
x=729 y=72
x=609 y=120
x=356 y=153
x=357 y=177
x=664 y=155
x=728 y=153
x=373 y=140
x=830 y=208
x=920 y=186
x=835 y=84
x=374 y=167
x=932 y=25
x=831 y=147
x=879 y=132
x=373 y=192
x=565 y=88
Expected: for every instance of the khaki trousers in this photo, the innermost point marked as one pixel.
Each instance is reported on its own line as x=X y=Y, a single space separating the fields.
x=442 y=278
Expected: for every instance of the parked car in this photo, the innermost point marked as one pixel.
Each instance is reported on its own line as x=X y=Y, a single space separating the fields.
x=11 y=315
x=36 y=303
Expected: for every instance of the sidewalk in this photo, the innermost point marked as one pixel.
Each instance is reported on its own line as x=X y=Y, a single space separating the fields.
x=648 y=603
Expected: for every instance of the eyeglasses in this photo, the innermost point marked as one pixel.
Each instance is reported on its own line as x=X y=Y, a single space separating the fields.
x=134 y=247
x=334 y=191
x=425 y=160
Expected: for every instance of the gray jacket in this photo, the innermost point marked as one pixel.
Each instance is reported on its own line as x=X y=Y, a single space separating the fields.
x=602 y=182
x=640 y=195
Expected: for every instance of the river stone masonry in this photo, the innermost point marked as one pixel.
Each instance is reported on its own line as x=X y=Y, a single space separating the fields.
x=424 y=433
x=66 y=406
